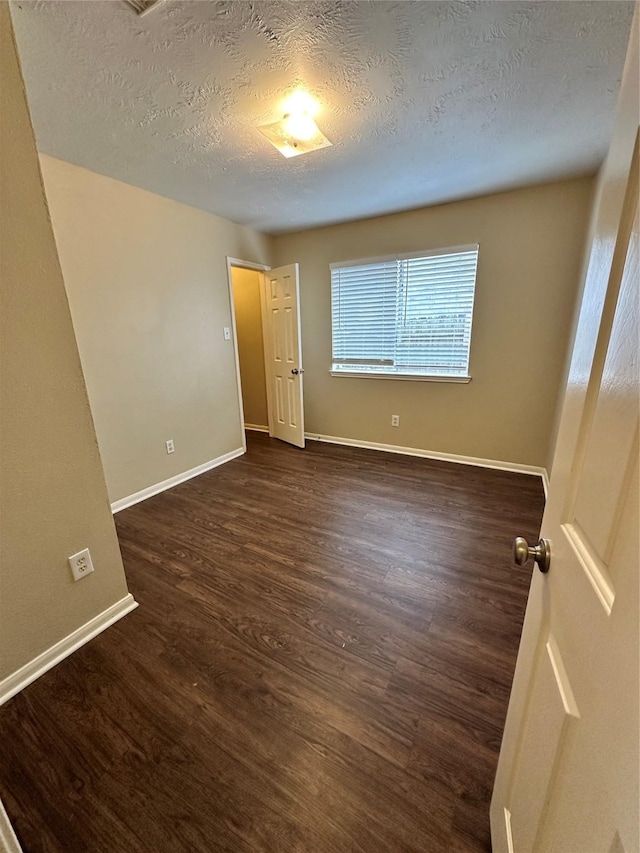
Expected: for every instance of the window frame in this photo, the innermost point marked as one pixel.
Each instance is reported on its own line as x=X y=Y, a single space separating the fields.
x=407 y=376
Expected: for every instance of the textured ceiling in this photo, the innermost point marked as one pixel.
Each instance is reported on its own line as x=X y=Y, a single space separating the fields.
x=424 y=102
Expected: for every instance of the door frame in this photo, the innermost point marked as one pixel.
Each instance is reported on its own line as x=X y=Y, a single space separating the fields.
x=261 y=268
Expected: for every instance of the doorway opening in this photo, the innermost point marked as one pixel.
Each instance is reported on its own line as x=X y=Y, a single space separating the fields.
x=265 y=318
x=245 y=286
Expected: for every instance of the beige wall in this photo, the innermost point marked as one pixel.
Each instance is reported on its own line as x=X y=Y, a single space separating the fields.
x=246 y=297
x=149 y=297
x=53 y=500
x=531 y=244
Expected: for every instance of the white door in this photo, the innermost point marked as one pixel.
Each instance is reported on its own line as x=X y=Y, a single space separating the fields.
x=283 y=354
x=567 y=779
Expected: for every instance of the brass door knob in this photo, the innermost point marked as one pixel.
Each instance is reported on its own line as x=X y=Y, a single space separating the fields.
x=541 y=553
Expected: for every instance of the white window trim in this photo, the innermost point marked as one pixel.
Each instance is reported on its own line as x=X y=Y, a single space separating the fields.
x=402 y=256
x=405 y=256
x=412 y=377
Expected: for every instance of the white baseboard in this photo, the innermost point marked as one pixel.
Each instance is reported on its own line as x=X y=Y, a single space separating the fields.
x=429 y=454
x=545 y=483
x=28 y=673
x=142 y=495
x=8 y=840
x=256 y=428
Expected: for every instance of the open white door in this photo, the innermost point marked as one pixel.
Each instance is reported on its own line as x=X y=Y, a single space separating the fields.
x=283 y=354
x=567 y=779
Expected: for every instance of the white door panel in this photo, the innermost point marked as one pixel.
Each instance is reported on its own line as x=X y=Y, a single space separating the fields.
x=567 y=779
x=551 y=708
x=283 y=354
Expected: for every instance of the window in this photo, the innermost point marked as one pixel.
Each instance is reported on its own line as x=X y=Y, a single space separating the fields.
x=405 y=315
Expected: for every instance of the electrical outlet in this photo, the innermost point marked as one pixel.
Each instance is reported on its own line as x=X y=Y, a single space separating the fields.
x=81 y=564
x=227 y=333
x=395 y=420
x=169 y=445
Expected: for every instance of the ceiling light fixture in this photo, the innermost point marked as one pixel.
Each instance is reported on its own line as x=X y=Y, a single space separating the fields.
x=296 y=133
x=300 y=126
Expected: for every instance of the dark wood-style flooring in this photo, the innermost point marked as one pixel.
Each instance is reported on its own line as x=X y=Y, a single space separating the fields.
x=320 y=663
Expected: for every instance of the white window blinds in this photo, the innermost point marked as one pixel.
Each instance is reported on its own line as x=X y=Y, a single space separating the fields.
x=404 y=315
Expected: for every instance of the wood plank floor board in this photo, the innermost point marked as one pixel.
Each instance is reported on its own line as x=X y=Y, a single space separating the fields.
x=320 y=663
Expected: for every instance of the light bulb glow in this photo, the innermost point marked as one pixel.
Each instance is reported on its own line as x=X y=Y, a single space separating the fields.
x=300 y=126
x=300 y=102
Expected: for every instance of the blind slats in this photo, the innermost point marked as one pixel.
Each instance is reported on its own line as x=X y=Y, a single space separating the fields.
x=404 y=315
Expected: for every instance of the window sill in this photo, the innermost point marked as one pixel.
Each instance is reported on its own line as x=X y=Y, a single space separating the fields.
x=411 y=377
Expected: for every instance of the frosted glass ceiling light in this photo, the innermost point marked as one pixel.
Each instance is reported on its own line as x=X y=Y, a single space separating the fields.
x=300 y=126
x=296 y=133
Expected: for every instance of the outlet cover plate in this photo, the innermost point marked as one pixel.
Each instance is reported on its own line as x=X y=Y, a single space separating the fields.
x=81 y=564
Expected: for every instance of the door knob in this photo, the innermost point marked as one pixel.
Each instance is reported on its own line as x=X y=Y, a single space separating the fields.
x=541 y=553
x=295 y=370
